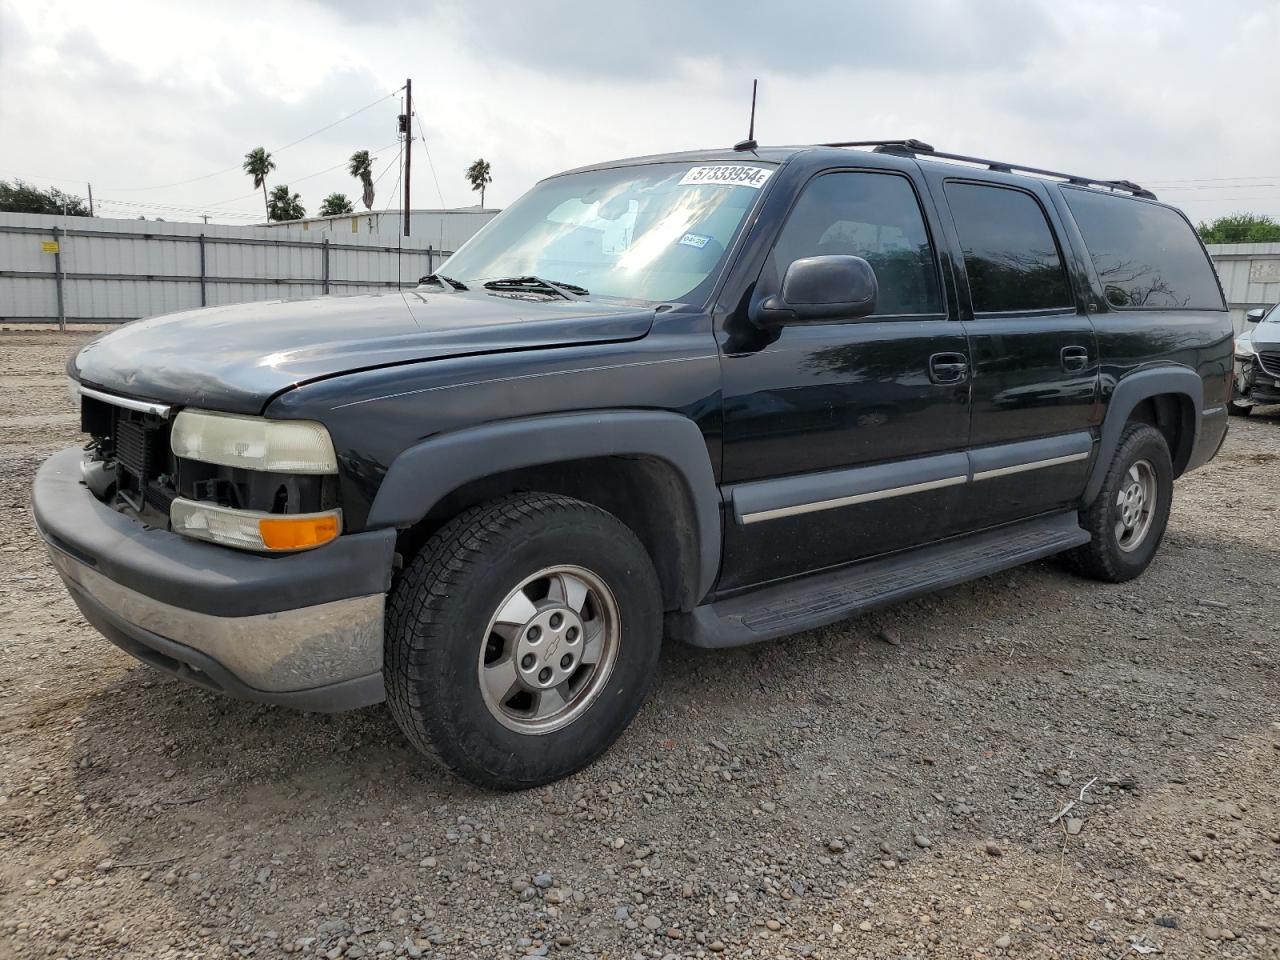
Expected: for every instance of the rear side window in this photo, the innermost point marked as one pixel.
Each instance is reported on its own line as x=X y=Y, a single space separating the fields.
x=1010 y=254
x=1145 y=255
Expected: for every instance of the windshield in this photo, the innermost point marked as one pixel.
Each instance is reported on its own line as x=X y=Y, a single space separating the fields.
x=654 y=232
x=1273 y=316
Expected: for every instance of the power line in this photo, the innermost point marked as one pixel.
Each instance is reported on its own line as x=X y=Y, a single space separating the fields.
x=1223 y=199
x=173 y=208
x=1225 y=186
x=1270 y=176
x=430 y=165
x=237 y=166
x=309 y=176
x=396 y=189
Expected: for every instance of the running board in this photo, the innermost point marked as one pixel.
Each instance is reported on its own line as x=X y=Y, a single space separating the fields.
x=825 y=598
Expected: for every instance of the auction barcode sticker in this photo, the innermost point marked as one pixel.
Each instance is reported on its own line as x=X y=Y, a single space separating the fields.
x=732 y=175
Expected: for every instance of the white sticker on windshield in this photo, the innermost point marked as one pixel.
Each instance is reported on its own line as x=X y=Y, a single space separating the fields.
x=730 y=175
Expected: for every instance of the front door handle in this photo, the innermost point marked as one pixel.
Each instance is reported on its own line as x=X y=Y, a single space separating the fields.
x=948 y=367
x=1074 y=358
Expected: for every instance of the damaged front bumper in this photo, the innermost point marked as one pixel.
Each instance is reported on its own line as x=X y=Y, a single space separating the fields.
x=303 y=630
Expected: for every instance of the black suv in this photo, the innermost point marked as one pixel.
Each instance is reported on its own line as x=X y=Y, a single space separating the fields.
x=719 y=396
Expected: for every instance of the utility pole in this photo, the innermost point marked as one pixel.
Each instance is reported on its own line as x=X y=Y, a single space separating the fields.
x=91 y=199
x=408 y=145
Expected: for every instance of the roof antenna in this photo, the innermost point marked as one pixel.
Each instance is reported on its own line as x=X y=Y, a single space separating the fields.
x=750 y=142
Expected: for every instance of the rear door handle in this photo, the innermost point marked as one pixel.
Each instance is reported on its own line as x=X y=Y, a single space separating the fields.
x=948 y=367
x=1074 y=358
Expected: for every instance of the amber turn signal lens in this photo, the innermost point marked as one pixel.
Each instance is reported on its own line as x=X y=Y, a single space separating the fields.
x=297 y=533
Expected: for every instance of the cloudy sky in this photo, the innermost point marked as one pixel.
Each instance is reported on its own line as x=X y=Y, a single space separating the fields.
x=156 y=103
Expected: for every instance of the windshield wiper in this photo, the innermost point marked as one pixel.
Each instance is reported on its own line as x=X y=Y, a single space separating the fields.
x=440 y=280
x=534 y=284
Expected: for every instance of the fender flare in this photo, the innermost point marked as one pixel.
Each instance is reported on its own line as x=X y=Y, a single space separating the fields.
x=1128 y=393
x=425 y=473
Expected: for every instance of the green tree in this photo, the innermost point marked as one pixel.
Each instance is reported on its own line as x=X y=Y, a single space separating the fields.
x=1241 y=228
x=479 y=177
x=361 y=167
x=257 y=164
x=283 y=205
x=335 y=204
x=20 y=197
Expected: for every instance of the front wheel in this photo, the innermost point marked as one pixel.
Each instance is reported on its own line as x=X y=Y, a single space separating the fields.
x=1127 y=519
x=1239 y=409
x=522 y=639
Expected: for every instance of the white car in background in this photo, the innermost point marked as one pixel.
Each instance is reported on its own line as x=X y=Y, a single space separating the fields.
x=1257 y=363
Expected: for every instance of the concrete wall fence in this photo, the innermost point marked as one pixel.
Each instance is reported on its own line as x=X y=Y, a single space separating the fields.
x=95 y=270
x=1250 y=275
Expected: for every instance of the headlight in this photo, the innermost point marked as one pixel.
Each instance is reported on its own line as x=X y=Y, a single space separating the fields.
x=253 y=443
x=1244 y=348
x=252 y=530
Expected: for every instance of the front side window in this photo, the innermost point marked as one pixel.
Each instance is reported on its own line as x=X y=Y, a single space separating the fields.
x=875 y=216
x=1145 y=254
x=649 y=232
x=1010 y=254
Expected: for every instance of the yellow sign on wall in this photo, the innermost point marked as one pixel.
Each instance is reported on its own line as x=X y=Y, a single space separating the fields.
x=49 y=246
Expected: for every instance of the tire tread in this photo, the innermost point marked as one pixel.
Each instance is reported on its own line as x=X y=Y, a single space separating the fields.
x=418 y=615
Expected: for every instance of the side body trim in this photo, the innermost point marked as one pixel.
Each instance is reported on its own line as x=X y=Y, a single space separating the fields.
x=1033 y=465
x=807 y=493
x=423 y=474
x=852 y=499
x=777 y=497
x=1037 y=454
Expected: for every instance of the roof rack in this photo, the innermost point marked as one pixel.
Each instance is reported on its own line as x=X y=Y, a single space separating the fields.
x=911 y=147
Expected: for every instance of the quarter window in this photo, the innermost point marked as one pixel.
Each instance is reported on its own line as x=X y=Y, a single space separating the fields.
x=1145 y=254
x=875 y=216
x=1010 y=254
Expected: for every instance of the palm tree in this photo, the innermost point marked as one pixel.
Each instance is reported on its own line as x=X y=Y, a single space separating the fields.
x=478 y=176
x=361 y=168
x=257 y=164
x=284 y=205
x=335 y=204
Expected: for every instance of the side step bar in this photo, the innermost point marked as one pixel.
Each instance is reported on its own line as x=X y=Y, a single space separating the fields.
x=824 y=598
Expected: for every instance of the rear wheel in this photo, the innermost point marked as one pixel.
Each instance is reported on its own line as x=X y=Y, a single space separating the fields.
x=522 y=639
x=1128 y=517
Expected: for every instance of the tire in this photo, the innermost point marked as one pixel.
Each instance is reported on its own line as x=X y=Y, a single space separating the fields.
x=1239 y=409
x=450 y=650
x=1116 y=553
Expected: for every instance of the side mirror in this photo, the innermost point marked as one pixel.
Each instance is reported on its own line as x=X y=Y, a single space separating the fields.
x=1256 y=315
x=820 y=288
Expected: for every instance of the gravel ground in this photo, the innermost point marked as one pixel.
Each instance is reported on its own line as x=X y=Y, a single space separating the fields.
x=883 y=788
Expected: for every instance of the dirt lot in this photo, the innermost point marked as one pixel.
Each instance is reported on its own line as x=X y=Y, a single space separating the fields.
x=883 y=788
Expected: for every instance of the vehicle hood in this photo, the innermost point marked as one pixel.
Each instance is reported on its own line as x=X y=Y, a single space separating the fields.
x=1265 y=336
x=235 y=358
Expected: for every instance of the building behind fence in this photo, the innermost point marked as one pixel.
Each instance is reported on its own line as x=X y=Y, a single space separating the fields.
x=446 y=229
x=1250 y=275
x=92 y=270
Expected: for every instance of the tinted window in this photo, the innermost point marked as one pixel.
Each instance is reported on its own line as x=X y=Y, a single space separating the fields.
x=877 y=217
x=1009 y=250
x=1146 y=255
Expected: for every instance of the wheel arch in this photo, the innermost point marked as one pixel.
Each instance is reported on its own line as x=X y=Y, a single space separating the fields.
x=1169 y=398
x=651 y=469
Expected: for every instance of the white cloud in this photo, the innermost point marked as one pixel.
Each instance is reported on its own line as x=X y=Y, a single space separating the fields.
x=136 y=95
